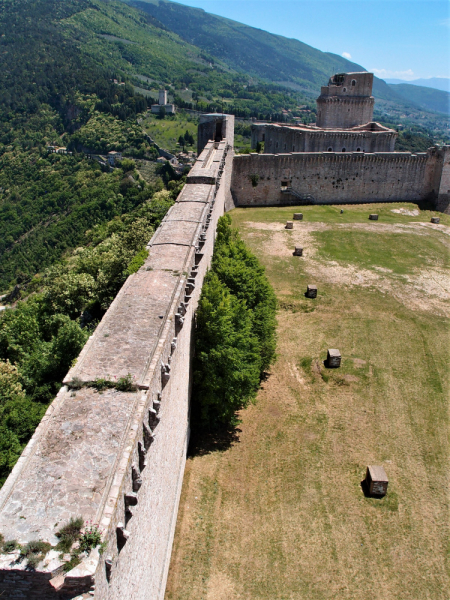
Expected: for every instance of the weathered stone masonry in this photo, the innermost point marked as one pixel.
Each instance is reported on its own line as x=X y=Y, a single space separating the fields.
x=333 y=178
x=117 y=458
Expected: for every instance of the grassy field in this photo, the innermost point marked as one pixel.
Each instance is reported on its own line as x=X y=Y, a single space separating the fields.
x=278 y=512
x=165 y=132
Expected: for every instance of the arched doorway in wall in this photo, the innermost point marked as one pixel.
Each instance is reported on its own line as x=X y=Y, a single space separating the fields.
x=330 y=149
x=358 y=149
x=343 y=150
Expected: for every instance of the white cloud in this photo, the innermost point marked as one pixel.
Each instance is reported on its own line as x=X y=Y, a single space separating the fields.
x=346 y=55
x=387 y=74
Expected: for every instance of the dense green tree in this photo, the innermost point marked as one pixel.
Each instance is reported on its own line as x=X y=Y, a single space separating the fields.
x=235 y=335
x=227 y=361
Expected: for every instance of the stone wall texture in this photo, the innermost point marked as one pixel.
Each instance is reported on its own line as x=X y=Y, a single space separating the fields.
x=281 y=139
x=333 y=178
x=117 y=458
x=346 y=101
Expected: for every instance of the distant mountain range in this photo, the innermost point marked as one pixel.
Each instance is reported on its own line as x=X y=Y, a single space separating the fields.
x=254 y=51
x=427 y=98
x=437 y=83
x=268 y=56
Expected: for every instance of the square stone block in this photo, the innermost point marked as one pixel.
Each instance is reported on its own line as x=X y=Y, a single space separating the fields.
x=373 y=217
x=289 y=225
x=298 y=251
x=311 y=291
x=376 y=481
x=435 y=220
x=333 y=358
x=298 y=216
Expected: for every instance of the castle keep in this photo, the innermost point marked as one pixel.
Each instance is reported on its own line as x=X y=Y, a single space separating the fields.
x=344 y=122
x=117 y=458
x=345 y=157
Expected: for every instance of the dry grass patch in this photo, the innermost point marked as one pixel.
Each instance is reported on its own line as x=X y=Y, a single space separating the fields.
x=279 y=512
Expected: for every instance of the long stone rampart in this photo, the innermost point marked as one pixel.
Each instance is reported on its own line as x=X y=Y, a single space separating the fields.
x=336 y=177
x=117 y=458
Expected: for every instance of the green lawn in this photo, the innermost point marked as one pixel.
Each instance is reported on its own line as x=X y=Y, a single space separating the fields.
x=280 y=513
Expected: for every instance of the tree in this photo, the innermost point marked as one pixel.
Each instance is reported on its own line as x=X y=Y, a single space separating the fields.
x=227 y=361
x=235 y=336
x=162 y=112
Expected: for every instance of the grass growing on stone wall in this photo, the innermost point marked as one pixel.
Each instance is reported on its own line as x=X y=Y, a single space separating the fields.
x=279 y=512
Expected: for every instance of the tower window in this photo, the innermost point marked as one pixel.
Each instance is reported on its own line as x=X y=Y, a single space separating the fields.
x=330 y=149
x=293 y=148
x=344 y=89
x=353 y=82
x=343 y=149
x=358 y=149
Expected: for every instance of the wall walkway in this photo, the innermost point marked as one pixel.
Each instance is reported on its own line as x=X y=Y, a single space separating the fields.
x=117 y=458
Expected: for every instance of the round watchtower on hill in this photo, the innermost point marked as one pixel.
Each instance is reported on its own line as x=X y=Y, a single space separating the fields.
x=346 y=101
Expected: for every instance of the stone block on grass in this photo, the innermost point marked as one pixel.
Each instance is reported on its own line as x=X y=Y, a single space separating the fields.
x=289 y=225
x=373 y=217
x=298 y=251
x=435 y=220
x=298 y=216
x=333 y=358
x=311 y=291
x=376 y=481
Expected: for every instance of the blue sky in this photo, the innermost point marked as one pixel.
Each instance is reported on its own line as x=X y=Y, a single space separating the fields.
x=404 y=39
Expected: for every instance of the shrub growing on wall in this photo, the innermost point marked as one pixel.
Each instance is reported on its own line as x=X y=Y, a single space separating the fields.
x=235 y=334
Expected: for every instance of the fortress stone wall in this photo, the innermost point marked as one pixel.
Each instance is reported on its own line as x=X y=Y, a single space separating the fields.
x=333 y=178
x=280 y=139
x=117 y=458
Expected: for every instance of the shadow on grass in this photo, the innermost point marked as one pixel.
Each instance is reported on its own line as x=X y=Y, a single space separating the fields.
x=202 y=443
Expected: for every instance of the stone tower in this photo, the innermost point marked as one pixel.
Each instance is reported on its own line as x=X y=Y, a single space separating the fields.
x=215 y=127
x=162 y=97
x=346 y=101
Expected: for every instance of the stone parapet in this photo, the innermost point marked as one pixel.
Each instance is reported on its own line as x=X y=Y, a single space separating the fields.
x=117 y=458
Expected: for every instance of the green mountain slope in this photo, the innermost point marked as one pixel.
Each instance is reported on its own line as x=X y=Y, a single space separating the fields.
x=60 y=58
x=425 y=97
x=256 y=52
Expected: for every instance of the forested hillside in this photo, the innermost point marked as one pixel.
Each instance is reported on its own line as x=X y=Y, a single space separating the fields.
x=57 y=87
x=254 y=51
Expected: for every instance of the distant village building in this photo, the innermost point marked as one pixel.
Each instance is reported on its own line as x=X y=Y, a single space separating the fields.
x=58 y=150
x=113 y=156
x=162 y=103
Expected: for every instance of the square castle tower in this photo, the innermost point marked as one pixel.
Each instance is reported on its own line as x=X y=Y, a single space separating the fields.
x=346 y=101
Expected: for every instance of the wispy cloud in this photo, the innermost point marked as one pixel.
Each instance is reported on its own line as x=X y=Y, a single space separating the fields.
x=386 y=73
x=346 y=55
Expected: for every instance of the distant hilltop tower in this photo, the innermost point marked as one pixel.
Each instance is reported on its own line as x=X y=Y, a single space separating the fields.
x=162 y=97
x=346 y=101
x=169 y=109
